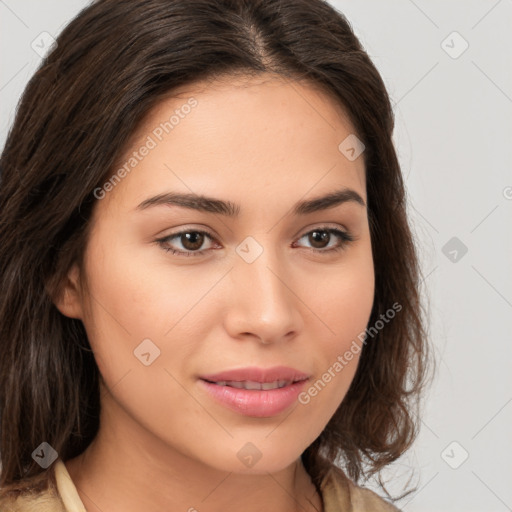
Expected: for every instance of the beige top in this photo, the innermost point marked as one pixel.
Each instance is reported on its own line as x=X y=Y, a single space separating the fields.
x=339 y=494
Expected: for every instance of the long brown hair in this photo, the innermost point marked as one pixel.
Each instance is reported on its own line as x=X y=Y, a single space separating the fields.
x=114 y=62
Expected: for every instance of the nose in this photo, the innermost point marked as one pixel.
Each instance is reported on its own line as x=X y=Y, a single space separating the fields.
x=263 y=304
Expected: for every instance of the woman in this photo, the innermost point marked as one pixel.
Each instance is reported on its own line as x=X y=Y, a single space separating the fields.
x=210 y=291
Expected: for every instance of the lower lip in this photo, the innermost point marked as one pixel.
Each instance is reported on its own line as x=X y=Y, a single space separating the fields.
x=254 y=402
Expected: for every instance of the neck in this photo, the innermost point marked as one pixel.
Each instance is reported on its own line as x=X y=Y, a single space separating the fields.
x=125 y=469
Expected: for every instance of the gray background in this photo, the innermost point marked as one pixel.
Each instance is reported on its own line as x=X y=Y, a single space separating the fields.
x=453 y=136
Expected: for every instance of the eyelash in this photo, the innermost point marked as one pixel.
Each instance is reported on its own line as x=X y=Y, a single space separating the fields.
x=345 y=237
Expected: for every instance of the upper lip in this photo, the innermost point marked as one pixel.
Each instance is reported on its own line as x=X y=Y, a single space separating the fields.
x=256 y=374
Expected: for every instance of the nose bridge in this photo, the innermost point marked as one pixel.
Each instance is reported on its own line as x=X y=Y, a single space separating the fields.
x=257 y=266
x=264 y=303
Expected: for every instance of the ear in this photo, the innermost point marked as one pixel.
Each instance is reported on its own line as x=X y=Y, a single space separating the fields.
x=68 y=300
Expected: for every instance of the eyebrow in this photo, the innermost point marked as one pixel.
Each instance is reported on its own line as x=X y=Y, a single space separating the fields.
x=229 y=209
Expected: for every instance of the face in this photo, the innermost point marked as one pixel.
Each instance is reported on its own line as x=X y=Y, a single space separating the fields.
x=180 y=290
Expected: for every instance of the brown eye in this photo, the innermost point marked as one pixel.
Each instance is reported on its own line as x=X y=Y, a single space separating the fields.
x=320 y=238
x=190 y=240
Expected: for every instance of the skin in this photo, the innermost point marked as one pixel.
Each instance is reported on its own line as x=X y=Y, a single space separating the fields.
x=263 y=144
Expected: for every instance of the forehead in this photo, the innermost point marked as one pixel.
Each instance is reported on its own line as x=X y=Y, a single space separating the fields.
x=242 y=135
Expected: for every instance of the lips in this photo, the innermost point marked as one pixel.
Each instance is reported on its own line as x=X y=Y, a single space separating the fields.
x=256 y=392
x=249 y=384
x=258 y=375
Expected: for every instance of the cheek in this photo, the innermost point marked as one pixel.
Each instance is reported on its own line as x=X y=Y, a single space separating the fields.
x=140 y=310
x=344 y=297
x=123 y=309
x=344 y=308
x=131 y=294
x=138 y=328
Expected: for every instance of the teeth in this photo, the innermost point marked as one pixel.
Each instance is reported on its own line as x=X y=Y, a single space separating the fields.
x=249 y=384
x=233 y=384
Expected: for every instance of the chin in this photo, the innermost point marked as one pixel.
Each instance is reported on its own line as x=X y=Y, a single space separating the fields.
x=256 y=458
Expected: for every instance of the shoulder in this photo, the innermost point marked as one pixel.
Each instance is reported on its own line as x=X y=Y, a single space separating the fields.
x=36 y=494
x=340 y=493
x=44 y=501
